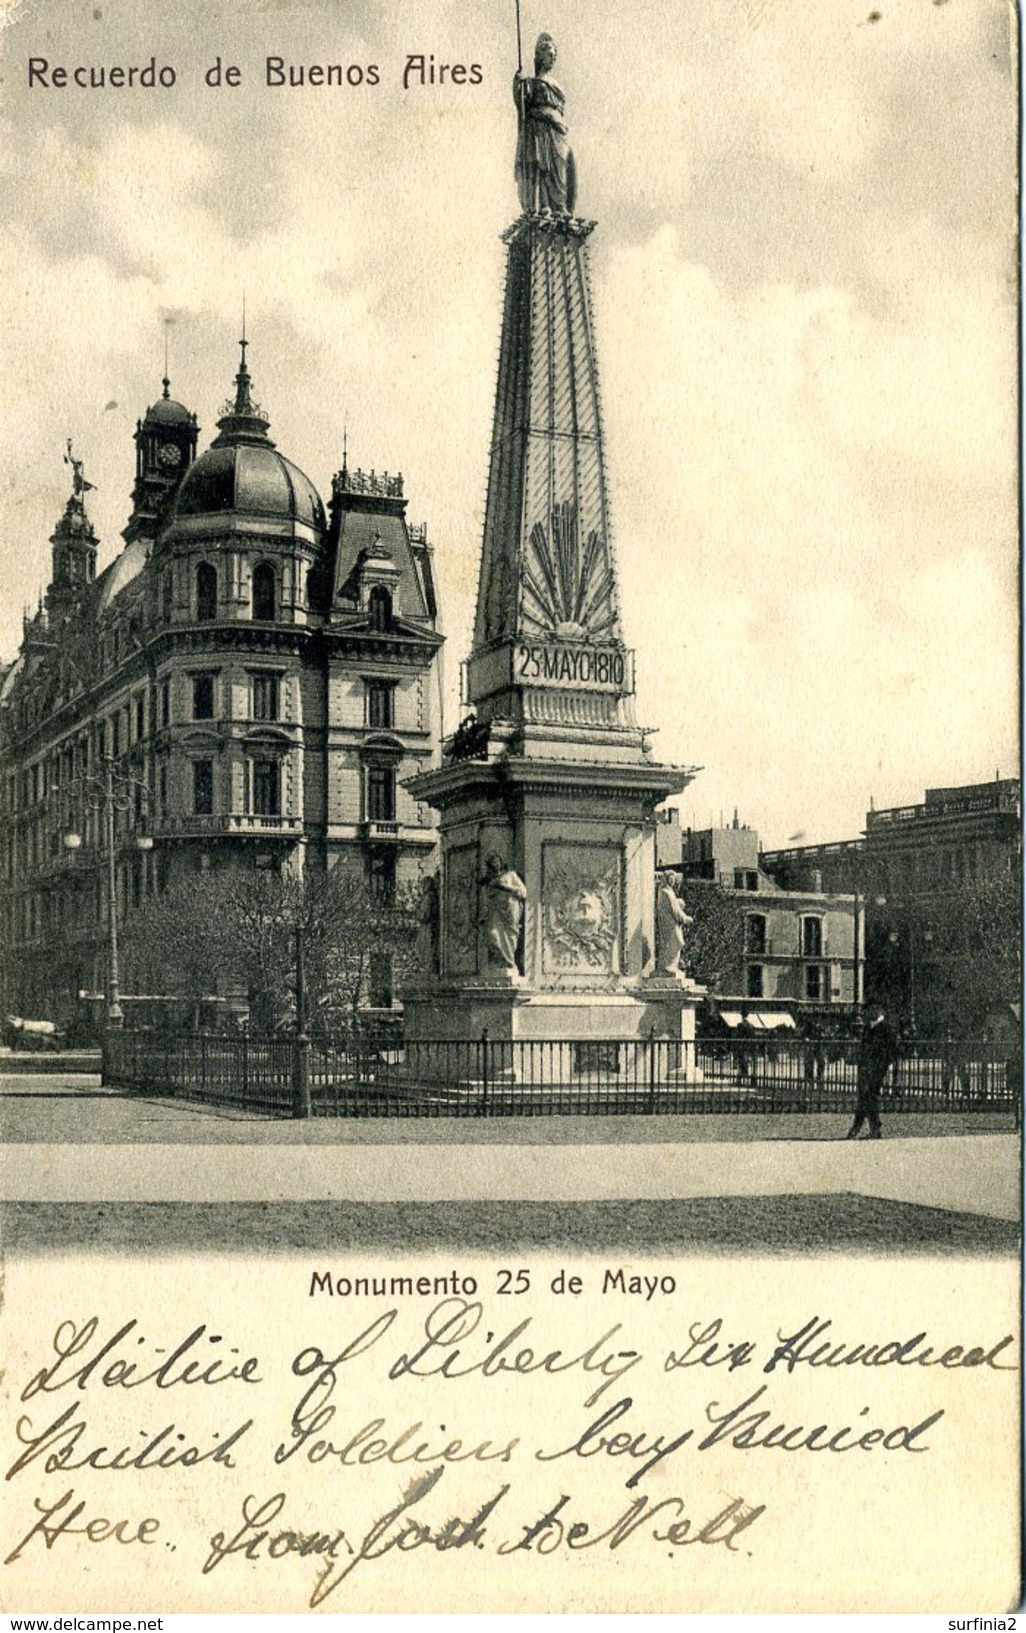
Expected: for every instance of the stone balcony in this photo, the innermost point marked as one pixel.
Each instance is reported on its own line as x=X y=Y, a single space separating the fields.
x=234 y=825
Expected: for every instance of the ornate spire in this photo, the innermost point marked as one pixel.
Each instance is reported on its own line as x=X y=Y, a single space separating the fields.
x=243 y=419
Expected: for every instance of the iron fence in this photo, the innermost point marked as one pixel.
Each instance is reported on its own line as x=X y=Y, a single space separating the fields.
x=495 y=1077
x=250 y=1073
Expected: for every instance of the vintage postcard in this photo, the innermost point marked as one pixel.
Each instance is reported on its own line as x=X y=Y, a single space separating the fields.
x=510 y=851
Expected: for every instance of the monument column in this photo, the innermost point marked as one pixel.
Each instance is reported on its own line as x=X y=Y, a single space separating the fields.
x=547 y=794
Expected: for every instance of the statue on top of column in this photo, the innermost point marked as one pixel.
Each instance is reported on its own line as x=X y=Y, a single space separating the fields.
x=545 y=170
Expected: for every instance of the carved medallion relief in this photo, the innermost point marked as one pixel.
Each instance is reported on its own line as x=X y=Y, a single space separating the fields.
x=580 y=909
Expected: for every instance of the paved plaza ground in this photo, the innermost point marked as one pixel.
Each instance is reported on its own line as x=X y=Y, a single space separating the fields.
x=90 y=1167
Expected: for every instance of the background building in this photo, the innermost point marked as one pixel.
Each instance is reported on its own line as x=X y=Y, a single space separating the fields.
x=940 y=881
x=256 y=674
x=755 y=940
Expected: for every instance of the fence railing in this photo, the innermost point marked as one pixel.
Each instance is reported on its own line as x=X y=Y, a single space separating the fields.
x=494 y=1077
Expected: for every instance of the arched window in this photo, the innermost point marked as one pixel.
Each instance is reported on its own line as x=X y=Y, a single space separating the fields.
x=263 y=592
x=206 y=592
x=379 y=605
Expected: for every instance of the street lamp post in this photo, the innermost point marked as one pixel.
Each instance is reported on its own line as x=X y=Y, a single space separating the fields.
x=917 y=942
x=111 y=793
x=115 y=1013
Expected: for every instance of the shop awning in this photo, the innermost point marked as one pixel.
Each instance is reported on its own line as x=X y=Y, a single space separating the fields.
x=769 y=1022
x=731 y=1017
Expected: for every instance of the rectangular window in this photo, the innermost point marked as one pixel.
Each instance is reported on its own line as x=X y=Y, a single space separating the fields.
x=265 y=697
x=814 y=982
x=381 y=876
x=140 y=717
x=266 y=788
x=165 y=703
x=380 y=794
x=203 y=697
x=380 y=982
x=203 y=787
x=812 y=938
x=380 y=702
x=115 y=728
x=755 y=981
x=756 y=937
x=162 y=787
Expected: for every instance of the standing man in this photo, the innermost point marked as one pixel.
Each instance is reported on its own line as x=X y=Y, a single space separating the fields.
x=878 y=1049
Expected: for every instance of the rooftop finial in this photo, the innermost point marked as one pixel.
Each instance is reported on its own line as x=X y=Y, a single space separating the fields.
x=243 y=401
x=166 y=381
x=243 y=416
x=345 y=445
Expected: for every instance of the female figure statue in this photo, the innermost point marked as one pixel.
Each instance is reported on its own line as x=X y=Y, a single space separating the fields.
x=545 y=172
x=504 y=894
x=427 y=926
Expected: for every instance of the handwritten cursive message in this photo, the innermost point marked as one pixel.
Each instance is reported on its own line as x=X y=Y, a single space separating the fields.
x=288 y=1459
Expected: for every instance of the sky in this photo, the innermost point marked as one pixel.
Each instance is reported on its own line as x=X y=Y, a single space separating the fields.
x=804 y=293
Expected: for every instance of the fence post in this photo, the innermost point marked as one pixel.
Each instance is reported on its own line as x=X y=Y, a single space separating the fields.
x=203 y=1061
x=651 y=1069
x=301 y=1103
x=245 y=1068
x=484 y=1072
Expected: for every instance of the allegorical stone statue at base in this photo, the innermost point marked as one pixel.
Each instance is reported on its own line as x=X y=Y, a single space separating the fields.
x=671 y=921
x=545 y=170
x=428 y=926
x=503 y=897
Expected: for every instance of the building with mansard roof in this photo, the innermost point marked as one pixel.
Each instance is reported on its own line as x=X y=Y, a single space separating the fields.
x=259 y=671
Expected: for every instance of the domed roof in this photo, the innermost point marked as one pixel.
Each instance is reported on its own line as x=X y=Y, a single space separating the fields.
x=121 y=572
x=166 y=411
x=254 y=479
x=242 y=471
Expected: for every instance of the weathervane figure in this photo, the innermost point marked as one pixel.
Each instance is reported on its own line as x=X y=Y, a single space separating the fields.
x=545 y=171
x=79 y=485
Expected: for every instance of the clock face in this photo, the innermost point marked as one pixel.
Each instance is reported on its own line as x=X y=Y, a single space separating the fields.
x=169 y=456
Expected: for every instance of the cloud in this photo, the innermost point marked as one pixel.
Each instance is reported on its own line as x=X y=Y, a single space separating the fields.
x=823 y=496
x=804 y=282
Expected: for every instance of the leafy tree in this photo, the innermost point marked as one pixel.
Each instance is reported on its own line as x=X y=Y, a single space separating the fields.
x=714 y=944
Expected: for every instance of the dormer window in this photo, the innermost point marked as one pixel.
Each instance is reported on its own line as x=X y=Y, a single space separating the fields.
x=379 y=606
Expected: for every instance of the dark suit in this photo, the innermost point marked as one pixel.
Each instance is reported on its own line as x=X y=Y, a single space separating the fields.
x=878 y=1049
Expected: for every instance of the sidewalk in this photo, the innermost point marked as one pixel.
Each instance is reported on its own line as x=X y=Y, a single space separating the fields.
x=74 y=1142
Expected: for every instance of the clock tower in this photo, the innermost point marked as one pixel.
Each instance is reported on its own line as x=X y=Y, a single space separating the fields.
x=165 y=447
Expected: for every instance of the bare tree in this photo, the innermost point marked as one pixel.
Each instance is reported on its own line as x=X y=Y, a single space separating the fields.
x=234 y=932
